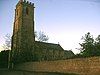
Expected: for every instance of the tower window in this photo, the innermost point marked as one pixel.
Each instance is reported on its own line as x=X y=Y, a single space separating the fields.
x=27 y=11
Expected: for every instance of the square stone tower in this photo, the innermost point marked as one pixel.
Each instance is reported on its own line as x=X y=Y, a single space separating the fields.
x=23 y=33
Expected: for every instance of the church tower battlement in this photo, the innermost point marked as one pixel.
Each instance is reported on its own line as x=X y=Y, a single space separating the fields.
x=23 y=32
x=25 y=3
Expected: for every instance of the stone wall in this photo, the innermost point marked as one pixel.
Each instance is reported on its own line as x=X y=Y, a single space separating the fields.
x=82 y=66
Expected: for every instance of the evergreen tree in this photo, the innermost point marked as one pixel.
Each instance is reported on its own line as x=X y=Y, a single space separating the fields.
x=97 y=46
x=87 y=47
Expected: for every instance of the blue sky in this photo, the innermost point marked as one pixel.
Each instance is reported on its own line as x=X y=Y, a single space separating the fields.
x=64 y=21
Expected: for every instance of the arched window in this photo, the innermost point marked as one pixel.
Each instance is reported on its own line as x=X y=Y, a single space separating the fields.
x=27 y=10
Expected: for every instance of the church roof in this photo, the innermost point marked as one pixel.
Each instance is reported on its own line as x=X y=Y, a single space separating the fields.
x=68 y=52
x=49 y=46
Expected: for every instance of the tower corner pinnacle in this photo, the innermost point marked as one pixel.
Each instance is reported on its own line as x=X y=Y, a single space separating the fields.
x=21 y=0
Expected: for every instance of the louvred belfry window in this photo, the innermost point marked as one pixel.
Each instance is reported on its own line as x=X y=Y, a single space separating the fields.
x=27 y=10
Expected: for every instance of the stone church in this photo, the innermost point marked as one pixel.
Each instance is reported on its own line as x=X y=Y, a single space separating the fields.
x=24 y=47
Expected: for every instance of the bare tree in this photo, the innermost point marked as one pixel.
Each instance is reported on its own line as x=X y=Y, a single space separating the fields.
x=7 y=44
x=41 y=36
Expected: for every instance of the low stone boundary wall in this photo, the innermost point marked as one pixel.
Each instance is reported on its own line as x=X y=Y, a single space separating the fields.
x=82 y=66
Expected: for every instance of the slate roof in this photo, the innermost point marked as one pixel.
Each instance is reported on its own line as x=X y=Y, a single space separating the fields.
x=49 y=46
x=69 y=52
